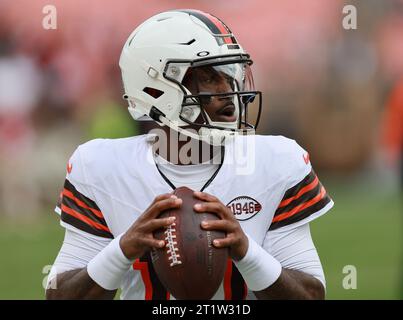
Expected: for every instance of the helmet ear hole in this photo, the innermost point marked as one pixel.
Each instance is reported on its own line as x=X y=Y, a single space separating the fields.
x=153 y=92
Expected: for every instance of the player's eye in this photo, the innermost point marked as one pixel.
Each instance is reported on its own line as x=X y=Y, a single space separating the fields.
x=206 y=79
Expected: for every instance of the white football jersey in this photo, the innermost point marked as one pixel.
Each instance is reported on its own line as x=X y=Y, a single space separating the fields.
x=267 y=182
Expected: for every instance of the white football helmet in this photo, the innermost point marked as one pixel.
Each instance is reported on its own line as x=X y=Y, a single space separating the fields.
x=185 y=69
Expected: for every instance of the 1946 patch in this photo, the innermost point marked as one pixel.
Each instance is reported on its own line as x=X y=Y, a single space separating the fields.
x=244 y=207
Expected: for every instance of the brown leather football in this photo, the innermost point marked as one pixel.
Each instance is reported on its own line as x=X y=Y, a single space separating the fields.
x=189 y=266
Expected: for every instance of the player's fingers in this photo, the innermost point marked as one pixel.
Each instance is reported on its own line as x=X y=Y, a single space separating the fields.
x=153 y=243
x=223 y=225
x=224 y=242
x=156 y=199
x=162 y=205
x=205 y=196
x=156 y=224
x=215 y=207
x=162 y=197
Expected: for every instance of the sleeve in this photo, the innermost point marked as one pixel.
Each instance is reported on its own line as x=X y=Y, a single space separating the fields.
x=77 y=251
x=305 y=198
x=76 y=205
x=295 y=250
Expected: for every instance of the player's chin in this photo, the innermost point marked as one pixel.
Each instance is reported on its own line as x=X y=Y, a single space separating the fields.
x=226 y=118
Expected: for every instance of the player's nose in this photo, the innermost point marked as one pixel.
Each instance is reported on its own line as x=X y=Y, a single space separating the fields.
x=223 y=87
x=226 y=99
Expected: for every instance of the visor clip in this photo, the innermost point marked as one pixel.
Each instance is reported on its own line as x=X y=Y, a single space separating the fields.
x=152 y=72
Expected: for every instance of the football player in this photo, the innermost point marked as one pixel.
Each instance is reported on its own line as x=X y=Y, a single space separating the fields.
x=185 y=70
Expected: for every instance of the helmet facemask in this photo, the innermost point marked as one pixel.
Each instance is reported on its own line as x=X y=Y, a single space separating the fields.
x=219 y=95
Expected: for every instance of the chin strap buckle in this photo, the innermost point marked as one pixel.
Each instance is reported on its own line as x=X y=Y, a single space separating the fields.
x=155 y=114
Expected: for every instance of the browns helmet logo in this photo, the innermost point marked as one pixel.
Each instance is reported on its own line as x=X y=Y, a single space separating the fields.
x=244 y=207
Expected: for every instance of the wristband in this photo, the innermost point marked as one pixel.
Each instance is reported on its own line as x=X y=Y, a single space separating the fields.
x=109 y=266
x=258 y=268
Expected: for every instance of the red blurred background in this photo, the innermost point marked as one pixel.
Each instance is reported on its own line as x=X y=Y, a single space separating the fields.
x=334 y=90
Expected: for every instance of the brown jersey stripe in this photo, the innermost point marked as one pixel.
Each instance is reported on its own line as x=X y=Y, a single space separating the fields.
x=77 y=222
x=84 y=218
x=305 y=197
x=302 y=214
x=78 y=195
x=81 y=212
x=83 y=205
x=300 y=192
x=292 y=192
x=71 y=204
x=301 y=206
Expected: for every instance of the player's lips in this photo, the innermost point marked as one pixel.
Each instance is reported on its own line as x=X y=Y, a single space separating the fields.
x=227 y=113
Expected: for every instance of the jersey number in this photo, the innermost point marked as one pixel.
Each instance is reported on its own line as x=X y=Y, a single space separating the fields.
x=154 y=289
x=234 y=285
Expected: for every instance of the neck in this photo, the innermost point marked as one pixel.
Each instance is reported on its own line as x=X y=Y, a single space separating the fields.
x=183 y=150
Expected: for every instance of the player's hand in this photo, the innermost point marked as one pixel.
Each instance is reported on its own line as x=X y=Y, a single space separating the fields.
x=139 y=238
x=236 y=240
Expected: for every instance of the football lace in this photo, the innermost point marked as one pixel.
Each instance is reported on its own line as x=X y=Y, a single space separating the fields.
x=171 y=244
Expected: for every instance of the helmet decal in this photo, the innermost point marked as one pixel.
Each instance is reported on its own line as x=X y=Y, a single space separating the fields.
x=219 y=29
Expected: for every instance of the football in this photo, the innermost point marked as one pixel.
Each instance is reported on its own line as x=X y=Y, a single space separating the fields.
x=189 y=266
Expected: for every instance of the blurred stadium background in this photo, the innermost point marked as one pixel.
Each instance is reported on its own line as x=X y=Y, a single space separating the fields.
x=338 y=92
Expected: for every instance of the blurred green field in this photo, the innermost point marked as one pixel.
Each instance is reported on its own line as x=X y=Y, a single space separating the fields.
x=364 y=229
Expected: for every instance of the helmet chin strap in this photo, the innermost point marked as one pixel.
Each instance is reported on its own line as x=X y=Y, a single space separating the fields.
x=215 y=137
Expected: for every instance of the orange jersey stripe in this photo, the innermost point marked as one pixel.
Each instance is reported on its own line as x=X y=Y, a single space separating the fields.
x=304 y=190
x=300 y=207
x=70 y=195
x=84 y=218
